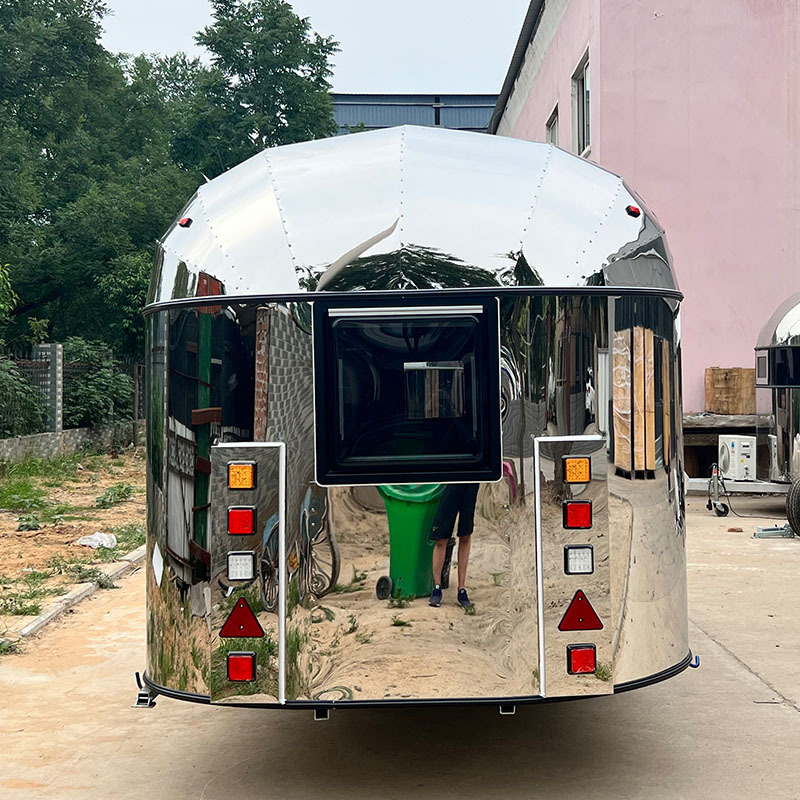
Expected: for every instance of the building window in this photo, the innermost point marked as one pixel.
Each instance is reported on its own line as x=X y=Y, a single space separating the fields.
x=551 y=128
x=581 y=134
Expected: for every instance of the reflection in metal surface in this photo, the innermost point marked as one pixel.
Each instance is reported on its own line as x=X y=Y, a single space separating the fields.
x=412 y=208
x=778 y=369
x=579 y=374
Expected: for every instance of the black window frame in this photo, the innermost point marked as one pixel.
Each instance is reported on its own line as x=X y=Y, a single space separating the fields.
x=329 y=471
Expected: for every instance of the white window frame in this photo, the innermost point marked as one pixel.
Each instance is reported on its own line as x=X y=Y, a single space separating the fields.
x=581 y=104
x=551 y=127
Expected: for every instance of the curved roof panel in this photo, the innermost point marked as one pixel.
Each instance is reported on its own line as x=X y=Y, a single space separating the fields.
x=411 y=208
x=782 y=329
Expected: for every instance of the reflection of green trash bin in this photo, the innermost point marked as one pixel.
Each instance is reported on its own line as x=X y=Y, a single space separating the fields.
x=410 y=510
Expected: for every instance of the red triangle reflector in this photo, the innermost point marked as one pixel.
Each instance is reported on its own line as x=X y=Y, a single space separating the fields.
x=242 y=622
x=580 y=615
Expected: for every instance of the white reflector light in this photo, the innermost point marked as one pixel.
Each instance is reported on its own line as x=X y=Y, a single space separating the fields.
x=579 y=560
x=242 y=566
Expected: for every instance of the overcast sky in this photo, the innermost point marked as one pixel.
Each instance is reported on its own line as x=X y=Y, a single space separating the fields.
x=428 y=46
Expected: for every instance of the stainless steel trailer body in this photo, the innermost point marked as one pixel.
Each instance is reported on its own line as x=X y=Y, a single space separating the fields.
x=413 y=307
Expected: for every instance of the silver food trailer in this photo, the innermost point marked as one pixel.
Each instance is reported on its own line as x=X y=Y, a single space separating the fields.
x=778 y=371
x=351 y=339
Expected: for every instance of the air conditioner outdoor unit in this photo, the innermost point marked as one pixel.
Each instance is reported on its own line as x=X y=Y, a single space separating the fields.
x=737 y=457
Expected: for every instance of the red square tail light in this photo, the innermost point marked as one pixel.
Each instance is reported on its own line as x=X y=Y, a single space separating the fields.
x=577 y=514
x=581 y=659
x=241 y=520
x=241 y=666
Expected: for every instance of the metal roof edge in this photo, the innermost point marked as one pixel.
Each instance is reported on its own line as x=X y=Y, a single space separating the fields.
x=526 y=34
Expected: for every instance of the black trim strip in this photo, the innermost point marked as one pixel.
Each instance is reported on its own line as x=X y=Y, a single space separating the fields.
x=639 y=683
x=403 y=296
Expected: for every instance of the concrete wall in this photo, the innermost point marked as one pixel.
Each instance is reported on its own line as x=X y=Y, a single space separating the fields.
x=697 y=106
x=48 y=445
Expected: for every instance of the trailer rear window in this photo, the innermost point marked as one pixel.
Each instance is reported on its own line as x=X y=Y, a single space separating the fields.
x=407 y=394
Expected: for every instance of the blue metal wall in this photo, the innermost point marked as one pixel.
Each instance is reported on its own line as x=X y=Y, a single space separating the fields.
x=470 y=112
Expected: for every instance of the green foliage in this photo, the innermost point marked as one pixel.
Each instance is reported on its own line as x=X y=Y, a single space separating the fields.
x=22 y=407
x=8 y=297
x=78 y=571
x=398 y=622
x=115 y=494
x=29 y=522
x=7 y=647
x=99 y=393
x=19 y=493
x=100 y=151
x=267 y=86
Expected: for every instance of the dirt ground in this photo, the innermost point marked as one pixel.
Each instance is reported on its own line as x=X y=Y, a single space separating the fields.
x=21 y=550
x=728 y=730
x=37 y=566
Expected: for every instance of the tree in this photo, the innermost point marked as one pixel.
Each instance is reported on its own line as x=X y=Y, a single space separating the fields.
x=99 y=152
x=267 y=86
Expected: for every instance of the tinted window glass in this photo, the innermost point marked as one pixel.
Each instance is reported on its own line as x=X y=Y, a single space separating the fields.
x=406 y=393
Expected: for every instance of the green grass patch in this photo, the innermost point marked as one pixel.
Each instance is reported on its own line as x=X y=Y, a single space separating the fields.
x=25 y=596
x=398 y=622
x=80 y=572
x=115 y=494
x=19 y=493
x=251 y=594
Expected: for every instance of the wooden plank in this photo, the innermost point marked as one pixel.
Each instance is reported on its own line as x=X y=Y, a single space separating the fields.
x=621 y=393
x=650 y=401
x=638 y=399
x=731 y=390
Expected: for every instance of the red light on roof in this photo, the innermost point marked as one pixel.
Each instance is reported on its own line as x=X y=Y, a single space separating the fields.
x=242 y=622
x=241 y=666
x=241 y=520
x=580 y=616
x=186 y=222
x=577 y=514
x=581 y=659
x=634 y=211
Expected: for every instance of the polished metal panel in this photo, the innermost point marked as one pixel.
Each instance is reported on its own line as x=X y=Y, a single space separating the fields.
x=778 y=369
x=606 y=368
x=593 y=370
x=782 y=329
x=558 y=588
x=411 y=207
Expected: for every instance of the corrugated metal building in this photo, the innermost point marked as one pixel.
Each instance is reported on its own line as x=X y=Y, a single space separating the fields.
x=466 y=112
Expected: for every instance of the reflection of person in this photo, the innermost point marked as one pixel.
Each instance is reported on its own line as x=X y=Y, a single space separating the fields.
x=458 y=499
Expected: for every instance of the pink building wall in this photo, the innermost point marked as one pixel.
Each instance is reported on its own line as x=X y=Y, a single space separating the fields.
x=697 y=106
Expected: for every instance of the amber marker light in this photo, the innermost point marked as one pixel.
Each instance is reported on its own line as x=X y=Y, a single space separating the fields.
x=577 y=469
x=242 y=475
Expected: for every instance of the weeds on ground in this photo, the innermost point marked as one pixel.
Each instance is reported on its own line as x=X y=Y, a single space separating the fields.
x=29 y=522
x=357 y=582
x=23 y=597
x=353 y=624
x=79 y=572
x=602 y=673
x=400 y=602
x=398 y=622
x=363 y=638
x=114 y=495
x=7 y=647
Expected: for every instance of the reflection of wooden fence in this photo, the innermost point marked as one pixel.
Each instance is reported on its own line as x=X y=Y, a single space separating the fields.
x=634 y=391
